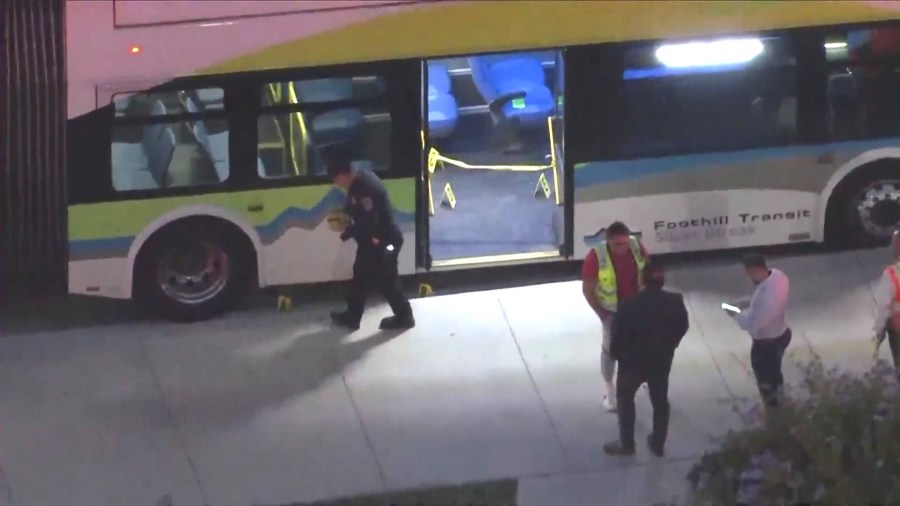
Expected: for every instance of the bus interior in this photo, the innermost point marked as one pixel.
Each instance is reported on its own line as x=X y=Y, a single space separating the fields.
x=494 y=156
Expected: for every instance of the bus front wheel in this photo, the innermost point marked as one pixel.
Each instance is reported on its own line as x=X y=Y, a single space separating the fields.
x=869 y=206
x=192 y=273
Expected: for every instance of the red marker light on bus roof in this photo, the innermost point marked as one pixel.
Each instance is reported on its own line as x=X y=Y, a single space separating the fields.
x=135 y=49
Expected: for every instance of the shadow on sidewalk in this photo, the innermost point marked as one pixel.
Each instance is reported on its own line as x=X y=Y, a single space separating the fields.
x=230 y=382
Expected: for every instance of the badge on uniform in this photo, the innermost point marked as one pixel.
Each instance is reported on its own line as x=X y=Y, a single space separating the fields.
x=367 y=204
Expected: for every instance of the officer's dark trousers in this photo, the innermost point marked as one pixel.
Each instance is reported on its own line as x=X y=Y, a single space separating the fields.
x=765 y=359
x=376 y=269
x=655 y=372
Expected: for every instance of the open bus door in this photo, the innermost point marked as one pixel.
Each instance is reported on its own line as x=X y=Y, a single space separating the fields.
x=424 y=192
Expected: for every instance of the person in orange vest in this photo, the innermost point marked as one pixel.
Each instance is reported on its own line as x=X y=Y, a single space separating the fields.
x=887 y=300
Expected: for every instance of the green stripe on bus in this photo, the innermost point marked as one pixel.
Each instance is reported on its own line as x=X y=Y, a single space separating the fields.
x=129 y=218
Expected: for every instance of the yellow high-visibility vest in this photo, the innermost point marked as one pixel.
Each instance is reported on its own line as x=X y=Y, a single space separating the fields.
x=607 y=289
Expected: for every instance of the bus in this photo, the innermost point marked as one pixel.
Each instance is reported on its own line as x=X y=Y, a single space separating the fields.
x=505 y=132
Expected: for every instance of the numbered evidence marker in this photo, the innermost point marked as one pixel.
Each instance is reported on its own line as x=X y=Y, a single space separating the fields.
x=448 y=200
x=285 y=303
x=542 y=187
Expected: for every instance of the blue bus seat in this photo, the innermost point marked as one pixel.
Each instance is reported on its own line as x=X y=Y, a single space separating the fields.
x=261 y=168
x=121 y=105
x=363 y=165
x=139 y=165
x=130 y=167
x=514 y=87
x=341 y=125
x=159 y=155
x=214 y=145
x=211 y=98
x=443 y=111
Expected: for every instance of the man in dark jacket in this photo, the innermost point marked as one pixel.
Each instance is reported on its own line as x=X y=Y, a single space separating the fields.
x=646 y=332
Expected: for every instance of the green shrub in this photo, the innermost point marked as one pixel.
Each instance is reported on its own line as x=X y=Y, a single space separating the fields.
x=835 y=441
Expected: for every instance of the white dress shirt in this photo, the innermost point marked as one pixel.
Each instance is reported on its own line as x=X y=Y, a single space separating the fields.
x=765 y=318
x=884 y=300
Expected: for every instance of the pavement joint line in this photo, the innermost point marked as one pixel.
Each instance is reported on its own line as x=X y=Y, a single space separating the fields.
x=712 y=356
x=512 y=333
x=179 y=437
x=365 y=432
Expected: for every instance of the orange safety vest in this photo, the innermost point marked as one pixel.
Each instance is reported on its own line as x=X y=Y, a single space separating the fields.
x=893 y=272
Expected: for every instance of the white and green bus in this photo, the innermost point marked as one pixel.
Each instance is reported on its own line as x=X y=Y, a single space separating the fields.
x=506 y=132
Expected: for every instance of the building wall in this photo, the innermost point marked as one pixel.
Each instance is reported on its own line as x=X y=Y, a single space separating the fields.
x=32 y=147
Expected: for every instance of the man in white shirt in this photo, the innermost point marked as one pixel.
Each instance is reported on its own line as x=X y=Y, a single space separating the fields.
x=764 y=320
x=885 y=298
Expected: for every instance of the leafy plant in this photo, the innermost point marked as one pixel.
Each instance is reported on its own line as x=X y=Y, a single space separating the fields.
x=834 y=441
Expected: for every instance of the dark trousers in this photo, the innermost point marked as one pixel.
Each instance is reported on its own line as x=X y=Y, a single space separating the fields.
x=655 y=372
x=376 y=269
x=892 y=339
x=765 y=359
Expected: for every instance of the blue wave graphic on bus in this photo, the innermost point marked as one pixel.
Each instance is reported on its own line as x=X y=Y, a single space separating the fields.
x=95 y=249
x=604 y=172
x=309 y=219
x=292 y=217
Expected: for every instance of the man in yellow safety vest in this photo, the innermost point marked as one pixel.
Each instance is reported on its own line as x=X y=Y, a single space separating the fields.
x=612 y=273
x=887 y=297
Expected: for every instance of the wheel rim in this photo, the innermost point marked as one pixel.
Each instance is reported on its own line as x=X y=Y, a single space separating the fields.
x=193 y=273
x=878 y=207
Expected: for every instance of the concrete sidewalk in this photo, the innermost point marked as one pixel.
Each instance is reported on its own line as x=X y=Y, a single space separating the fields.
x=268 y=408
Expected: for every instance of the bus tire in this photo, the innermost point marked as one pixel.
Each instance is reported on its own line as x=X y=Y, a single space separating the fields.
x=194 y=269
x=865 y=207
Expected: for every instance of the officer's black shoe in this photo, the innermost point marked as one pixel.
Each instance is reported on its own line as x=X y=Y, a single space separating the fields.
x=344 y=319
x=656 y=448
x=398 y=322
x=617 y=449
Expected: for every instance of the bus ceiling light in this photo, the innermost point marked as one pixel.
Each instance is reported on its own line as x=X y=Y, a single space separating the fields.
x=134 y=49
x=703 y=54
x=835 y=45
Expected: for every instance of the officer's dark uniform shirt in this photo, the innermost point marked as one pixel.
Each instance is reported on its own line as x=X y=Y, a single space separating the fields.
x=370 y=209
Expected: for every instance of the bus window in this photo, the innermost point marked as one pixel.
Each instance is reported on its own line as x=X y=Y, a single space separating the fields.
x=717 y=95
x=864 y=76
x=298 y=118
x=158 y=152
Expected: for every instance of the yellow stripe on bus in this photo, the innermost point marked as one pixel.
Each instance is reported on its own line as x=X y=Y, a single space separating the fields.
x=453 y=28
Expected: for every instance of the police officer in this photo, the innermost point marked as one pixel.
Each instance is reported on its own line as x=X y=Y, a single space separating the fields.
x=378 y=242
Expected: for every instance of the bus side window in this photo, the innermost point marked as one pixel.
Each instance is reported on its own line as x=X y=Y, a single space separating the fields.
x=863 y=79
x=298 y=118
x=685 y=97
x=151 y=151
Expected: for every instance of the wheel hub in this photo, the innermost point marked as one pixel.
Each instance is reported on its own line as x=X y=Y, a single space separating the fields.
x=878 y=206
x=193 y=273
